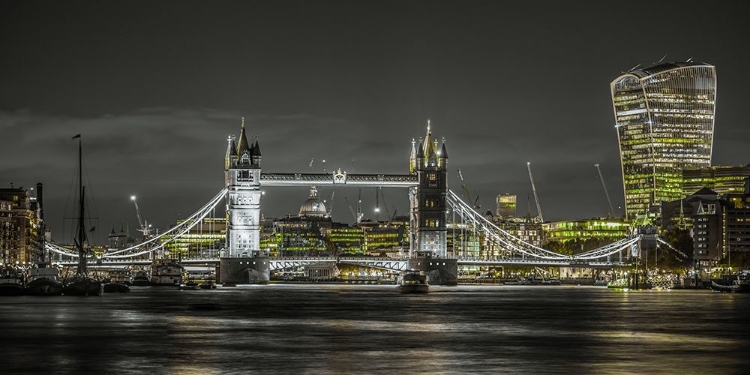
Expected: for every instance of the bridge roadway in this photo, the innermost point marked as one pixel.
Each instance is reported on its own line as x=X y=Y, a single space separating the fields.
x=338 y=178
x=393 y=264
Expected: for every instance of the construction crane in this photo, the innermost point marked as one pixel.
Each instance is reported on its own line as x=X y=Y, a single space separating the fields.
x=466 y=191
x=385 y=204
x=330 y=205
x=536 y=197
x=606 y=192
x=145 y=226
x=357 y=216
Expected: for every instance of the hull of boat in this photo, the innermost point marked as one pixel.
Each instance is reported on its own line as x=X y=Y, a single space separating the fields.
x=736 y=288
x=85 y=287
x=141 y=282
x=414 y=288
x=44 y=287
x=116 y=288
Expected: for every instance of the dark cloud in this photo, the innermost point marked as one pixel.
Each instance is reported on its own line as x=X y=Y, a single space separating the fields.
x=156 y=87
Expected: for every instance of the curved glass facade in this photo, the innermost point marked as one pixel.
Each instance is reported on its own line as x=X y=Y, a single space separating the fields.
x=665 y=122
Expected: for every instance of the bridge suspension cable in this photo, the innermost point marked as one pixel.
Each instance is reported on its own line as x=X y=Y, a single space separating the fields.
x=515 y=244
x=175 y=232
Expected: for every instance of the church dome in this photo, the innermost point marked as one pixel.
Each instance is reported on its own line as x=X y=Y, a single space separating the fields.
x=313 y=207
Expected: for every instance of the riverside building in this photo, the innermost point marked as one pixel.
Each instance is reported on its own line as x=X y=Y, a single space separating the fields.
x=664 y=116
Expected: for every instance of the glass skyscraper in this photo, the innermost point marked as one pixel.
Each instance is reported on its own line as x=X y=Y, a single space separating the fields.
x=665 y=122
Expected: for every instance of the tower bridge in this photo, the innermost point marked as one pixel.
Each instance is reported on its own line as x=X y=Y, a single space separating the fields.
x=432 y=207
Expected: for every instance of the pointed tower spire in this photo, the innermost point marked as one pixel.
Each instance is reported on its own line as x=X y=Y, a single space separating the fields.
x=413 y=158
x=231 y=155
x=430 y=146
x=242 y=145
x=443 y=156
x=256 y=152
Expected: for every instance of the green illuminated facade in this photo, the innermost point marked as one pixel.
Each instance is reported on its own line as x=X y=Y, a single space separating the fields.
x=665 y=121
x=721 y=179
x=506 y=206
x=564 y=231
x=203 y=240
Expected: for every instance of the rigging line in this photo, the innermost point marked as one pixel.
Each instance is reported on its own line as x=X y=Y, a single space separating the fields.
x=92 y=219
x=67 y=201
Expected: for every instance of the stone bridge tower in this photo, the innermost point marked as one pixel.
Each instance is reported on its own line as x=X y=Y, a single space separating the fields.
x=242 y=261
x=428 y=205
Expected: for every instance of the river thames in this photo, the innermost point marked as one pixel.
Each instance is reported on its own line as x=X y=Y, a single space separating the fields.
x=309 y=328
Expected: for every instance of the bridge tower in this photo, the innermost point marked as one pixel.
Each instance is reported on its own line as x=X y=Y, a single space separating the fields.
x=242 y=261
x=428 y=205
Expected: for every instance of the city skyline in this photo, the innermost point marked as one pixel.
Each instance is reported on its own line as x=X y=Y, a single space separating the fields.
x=155 y=104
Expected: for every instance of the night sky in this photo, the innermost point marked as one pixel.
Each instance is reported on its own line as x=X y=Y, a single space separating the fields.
x=155 y=88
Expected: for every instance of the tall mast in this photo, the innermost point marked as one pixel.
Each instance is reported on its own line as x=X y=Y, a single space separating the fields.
x=81 y=227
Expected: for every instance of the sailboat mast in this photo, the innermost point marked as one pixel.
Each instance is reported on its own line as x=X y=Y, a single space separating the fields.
x=81 y=227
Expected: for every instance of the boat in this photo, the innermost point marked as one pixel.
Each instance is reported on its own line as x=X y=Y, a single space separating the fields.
x=208 y=285
x=116 y=288
x=190 y=285
x=81 y=284
x=141 y=279
x=43 y=280
x=166 y=272
x=413 y=282
x=11 y=281
x=739 y=283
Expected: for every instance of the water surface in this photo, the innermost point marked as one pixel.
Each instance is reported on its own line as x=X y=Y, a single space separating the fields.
x=364 y=329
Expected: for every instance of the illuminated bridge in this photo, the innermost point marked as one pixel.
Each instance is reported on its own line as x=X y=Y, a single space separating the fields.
x=433 y=210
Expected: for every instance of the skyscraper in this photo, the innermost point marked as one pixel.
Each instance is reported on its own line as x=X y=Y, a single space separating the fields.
x=664 y=117
x=506 y=206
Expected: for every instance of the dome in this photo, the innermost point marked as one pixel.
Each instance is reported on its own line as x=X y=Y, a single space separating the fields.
x=313 y=207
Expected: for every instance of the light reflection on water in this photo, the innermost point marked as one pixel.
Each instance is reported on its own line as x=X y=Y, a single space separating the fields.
x=354 y=329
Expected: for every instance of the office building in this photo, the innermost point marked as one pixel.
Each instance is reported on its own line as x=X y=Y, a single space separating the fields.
x=664 y=116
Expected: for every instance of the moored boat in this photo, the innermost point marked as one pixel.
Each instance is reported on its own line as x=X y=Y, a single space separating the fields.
x=11 y=282
x=739 y=283
x=82 y=284
x=208 y=285
x=141 y=279
x=116 y=288
x=43 y=281
x=413 y=282
x=190 y=285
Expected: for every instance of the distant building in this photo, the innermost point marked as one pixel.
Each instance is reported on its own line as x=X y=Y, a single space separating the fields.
x=664 y=116
x=723 y=179
x=526 y=230
x=737 y=232
x=19 y=223
x=202 y=241
x=719 y=223
x=599 y=229
x=506 y=206
x=704 y=213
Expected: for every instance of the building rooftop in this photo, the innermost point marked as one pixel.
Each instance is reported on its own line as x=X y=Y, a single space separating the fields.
x=663 y=67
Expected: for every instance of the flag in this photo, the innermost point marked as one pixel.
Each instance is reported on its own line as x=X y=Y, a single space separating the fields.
x=76 y=136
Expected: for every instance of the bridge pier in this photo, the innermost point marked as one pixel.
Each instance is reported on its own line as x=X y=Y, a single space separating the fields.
x=440 y=271
x=244 y=270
